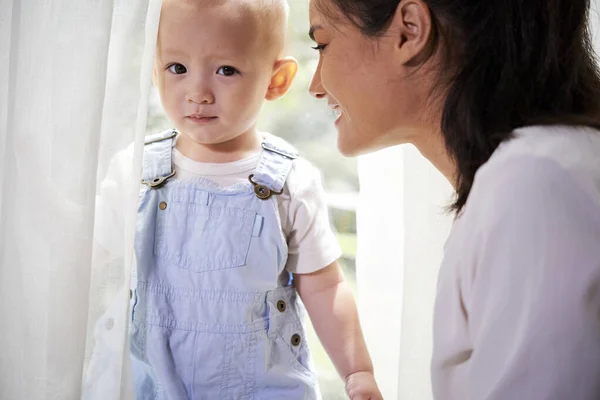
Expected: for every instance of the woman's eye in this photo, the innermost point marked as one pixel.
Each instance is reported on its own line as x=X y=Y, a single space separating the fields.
x=178 y=69
x=320 y=47
x=227 y=71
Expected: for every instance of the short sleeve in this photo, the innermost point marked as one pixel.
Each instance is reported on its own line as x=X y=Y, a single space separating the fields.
x=312 y=244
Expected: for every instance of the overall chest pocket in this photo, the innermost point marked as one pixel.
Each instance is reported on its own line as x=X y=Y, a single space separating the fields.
x=203 y=238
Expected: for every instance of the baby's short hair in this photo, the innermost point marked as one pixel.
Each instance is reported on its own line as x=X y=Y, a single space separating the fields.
x=271 y=15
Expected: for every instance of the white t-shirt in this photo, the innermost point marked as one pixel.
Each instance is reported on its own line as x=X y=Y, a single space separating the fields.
x=517 y=313
x=312 y=244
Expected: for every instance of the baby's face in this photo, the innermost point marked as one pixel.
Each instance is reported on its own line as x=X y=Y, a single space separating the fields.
x=213 y=66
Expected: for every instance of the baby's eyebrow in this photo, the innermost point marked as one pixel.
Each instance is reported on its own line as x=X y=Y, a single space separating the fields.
x=172 y=52
x=311 y=31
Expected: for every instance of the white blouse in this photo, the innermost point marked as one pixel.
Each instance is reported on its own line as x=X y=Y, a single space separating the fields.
x=517 y=313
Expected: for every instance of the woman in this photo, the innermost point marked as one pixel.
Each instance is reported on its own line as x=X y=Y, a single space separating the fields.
x=503 y=97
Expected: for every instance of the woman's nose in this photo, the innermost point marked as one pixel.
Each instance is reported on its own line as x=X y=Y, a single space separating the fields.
x=316 y=87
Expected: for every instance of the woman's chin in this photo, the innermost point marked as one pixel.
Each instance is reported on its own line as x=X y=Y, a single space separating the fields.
x=350 y=149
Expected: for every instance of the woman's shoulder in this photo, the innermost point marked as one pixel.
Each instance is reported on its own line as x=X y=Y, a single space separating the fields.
x=538 y=174
x=576 y=149
x=537 y=157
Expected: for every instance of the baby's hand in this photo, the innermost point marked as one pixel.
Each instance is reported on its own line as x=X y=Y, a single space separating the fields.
x=362 y=386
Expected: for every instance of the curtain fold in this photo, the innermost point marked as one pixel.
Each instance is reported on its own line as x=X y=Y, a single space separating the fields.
x=64 y=65
x=402 y=227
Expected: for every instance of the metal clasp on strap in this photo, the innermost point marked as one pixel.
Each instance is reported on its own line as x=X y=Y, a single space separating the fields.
x=261 y=191
x=159 y=181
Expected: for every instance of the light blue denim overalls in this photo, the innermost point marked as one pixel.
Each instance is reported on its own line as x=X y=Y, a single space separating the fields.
x=213 y=313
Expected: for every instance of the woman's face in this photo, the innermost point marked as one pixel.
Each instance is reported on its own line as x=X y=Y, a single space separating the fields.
x=377 y=95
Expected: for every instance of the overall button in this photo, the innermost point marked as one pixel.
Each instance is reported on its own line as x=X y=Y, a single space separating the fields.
x=296 y=340
x=281 y=306
x=162 y=205
x=262 y=192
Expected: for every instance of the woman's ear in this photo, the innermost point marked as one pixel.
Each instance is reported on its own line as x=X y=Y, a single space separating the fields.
x=284 y=72
x=411 y=27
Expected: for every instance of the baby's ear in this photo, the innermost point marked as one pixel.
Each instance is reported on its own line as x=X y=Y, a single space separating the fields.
x=284 y=72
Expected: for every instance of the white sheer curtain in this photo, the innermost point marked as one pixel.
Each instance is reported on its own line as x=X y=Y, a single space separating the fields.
x=74 y=81
x=401 y=227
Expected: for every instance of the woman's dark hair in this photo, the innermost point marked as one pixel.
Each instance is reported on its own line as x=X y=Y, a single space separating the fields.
x=514 y=63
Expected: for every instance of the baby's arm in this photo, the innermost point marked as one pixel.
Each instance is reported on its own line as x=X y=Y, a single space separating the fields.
x=332 y=310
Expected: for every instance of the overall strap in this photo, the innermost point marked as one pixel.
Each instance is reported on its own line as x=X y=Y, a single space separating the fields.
x=157 y=163
x=273 y=167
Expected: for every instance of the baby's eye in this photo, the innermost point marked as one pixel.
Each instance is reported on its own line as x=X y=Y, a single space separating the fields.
x=177 y=69
x=227 y=71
